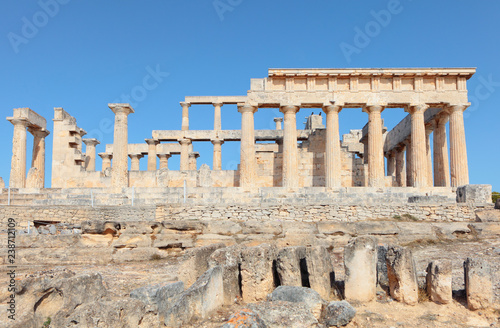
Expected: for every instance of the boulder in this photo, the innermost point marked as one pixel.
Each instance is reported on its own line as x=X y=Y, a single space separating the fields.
x=320 y=271
x=257 y=277
x=290 y=265
x=244 y=319
x=281 y=314
x=402 y=275
x=488 y=216
x=198 y=301
x=478 y=284
x=229 y=259
x=304 y=295
x=154 y=295
x=338 y=313
x=438 y=281
x=360 y=261
x=195 y=263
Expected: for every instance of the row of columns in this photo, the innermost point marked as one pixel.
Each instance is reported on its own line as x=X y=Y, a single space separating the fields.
x=419 y=170
x=18 y=163
x=217 y=116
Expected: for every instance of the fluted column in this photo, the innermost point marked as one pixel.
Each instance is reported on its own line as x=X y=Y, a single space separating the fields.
x=332 y=148
x=185 y=143
x=90 y=153
x=458 y=152
x=278 y=121
x=185 y=115
x=193 y=165
x=247 y=153
x=441 y=161
x=18 y=163
x=119 y=175
x=428 y=130
x=38 y=155
x=164 y=160
x=418 y=145
x=391 y=164
x=152 y=153
x=290 y=153
x=375 y=146
x=409 y=173
x=217 y=116
x=135 y=161
x=217 y=164
x=106 y=160
x=400 y=166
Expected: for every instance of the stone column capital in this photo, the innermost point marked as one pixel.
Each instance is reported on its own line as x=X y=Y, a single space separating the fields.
x=18 y=121
x=278 y=119
x=185 y=104
x=416 y=108
x=41 y=133
x=332 y=108
x=184 y=141
x=136 y=156
x=245 y=108
x=166 y=155
x=194 y=155
x=287 y=109
x=450 y=108
x=105 y=155
x=153 y=142
x=217 y=104
x=91 y=142
x=217 y=141
x=369 y=108
x=429 y=127
x=121 y=108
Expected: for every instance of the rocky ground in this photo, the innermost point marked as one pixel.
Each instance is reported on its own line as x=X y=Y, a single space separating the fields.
x=121 y=279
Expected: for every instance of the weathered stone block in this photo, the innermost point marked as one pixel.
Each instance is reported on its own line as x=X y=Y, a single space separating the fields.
x=478 y=284
x=402 y=275
x=438 y=281
x=310 y=298
x=479 y=193
x=360 y=261
x=244 y=318
x=229 y=259
x=281 y=314
x=288 y=265
x=156 y=294
x=257 y=272
x=195 y=263
x=320 y=270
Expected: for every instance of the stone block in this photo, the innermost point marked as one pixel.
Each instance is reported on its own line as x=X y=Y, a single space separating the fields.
x=360 y=261
x=155 y=295
x=229 y=259
x=478 y=193
x=382 y=278
x=281 y=314
x=377 y=228
x=338 y=313
x=402 y=275
x=100 y=227
x=291 y=265
x=257 y=276
x=320 y=270
x=198 y=301
x=195 y=263
x=488 y=216
x=432 y=199
x=227 y=228
x=438 y=281
x=478 y=284
x=310 y=298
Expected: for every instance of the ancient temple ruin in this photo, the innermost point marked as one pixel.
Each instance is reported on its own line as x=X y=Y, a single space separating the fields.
x=290 y=159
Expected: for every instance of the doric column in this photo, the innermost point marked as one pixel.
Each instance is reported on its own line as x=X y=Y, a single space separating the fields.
x=164 y=160
x=38 y=156
x=290 y=158
x=247 y=152
x=441 y=161
x=119 y=175
x=217 y=116
x=193 y=161
x=18 y=164
x=185 y=143
x=428 y=151
x=185 y=115
x=375 y=146
x=332 y=149
x=217 y=165
x=135 y=162
x=278 y=121
x=418 y=148
x=400 y=166
x=106 y=160
x=90 y=153
x=458 y=151
x=391 y=163
x=409 y=173
x=152 y=153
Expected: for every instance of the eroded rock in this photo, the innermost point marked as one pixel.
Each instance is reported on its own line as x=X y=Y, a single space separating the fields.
x=257 y=272
x=438 y=280
x=310 y=298
x=402 y=275
x=360 y=261
x=281 y=314
x=338 y=313
x=291 y=264
x=478 y=284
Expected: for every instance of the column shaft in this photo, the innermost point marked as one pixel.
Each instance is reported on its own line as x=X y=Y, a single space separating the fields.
x=375 y=147
x=418 y=146
x=290 y=153
x=441 y=161
x=428 y=131
x=106 y=161
x=247 y=153
x=18 y=164
x=400 y=167
x=119 y=175
x=333 y=165
x=38 y=156
x=185 y=116
x=409 y=173
x=135 y=162
x=185 y=143
x=391 y=164
x=152 y=153
x=217 y=116
x=458 y=151
x=217 y=161
x=164 y=160
x=90 y=154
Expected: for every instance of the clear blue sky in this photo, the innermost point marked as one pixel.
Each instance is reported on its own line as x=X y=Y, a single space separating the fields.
x=82 y=55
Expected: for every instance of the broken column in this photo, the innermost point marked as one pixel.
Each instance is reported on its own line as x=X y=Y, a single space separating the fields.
x=288 y=265
x=257 y=278
x=360 y=261
x=193 y=157
x=90 y=153
x=478 y=284
x=106 y=160
x=438 y=281
x=119 y=175
x=402 y=275
x=320 y=270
